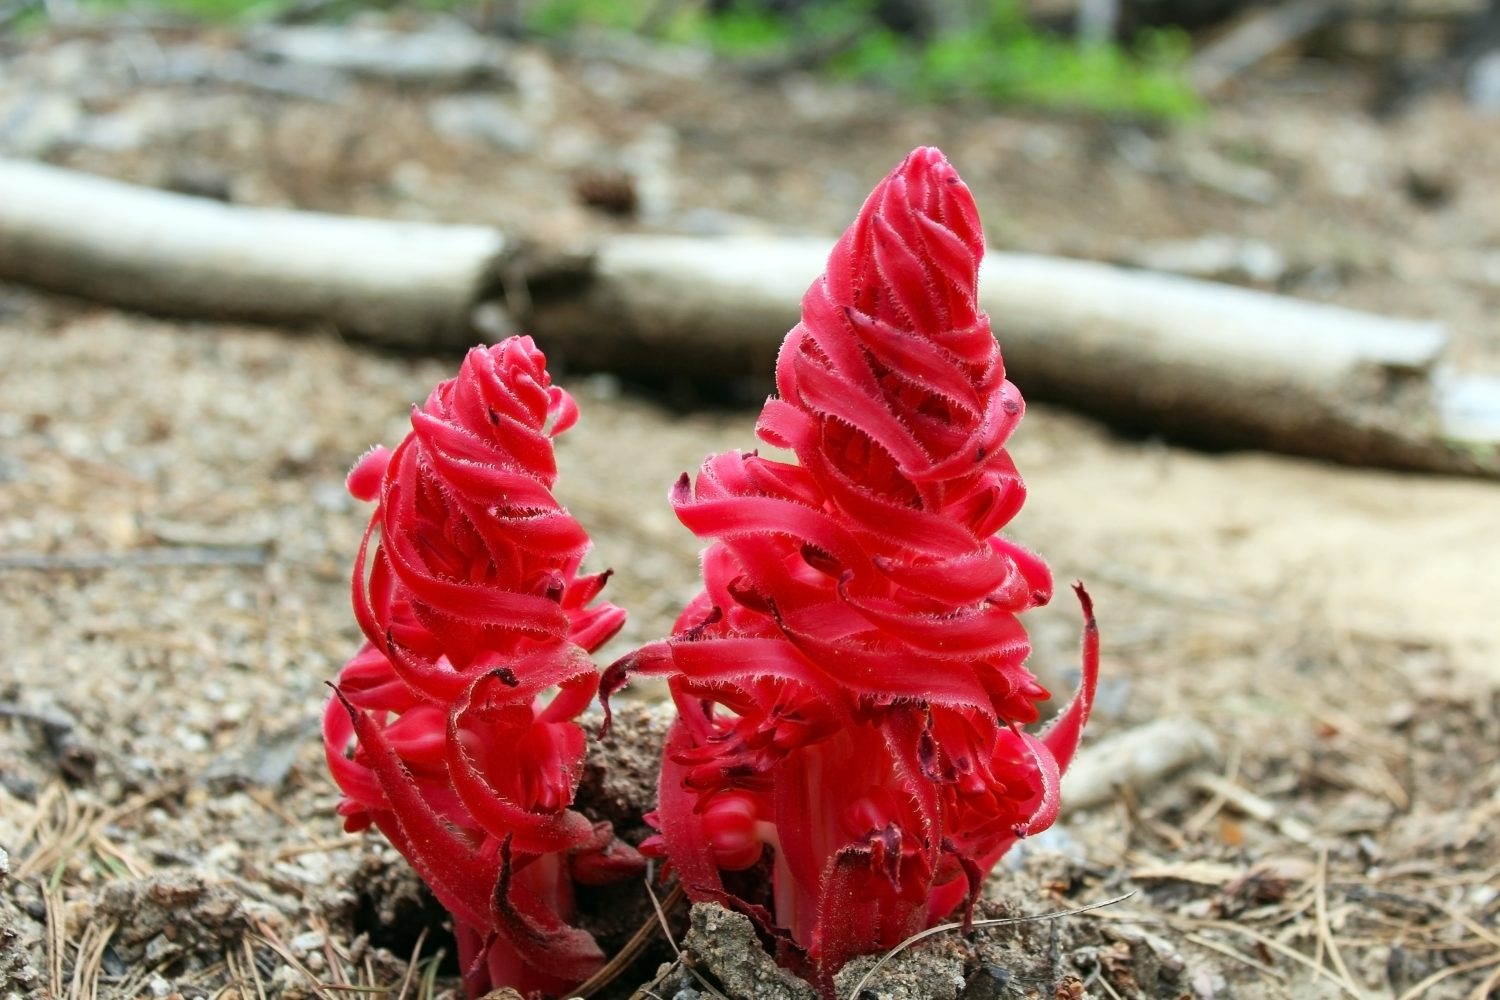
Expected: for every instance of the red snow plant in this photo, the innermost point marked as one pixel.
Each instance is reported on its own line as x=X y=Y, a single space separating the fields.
x=453 y=729
x=849 y=759
x=851 y=682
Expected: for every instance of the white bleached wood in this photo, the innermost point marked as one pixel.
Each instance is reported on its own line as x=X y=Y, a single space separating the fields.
x=406 y=283
x=1156 y=353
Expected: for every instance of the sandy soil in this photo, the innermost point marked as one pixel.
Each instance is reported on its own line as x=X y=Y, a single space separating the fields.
x=175 y=542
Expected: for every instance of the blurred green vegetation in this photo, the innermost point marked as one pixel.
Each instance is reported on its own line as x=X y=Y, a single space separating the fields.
x=992 y=52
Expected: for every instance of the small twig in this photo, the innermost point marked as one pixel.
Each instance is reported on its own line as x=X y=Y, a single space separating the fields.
x=1486 y=988
x=107 y=849
x=332 y=955
x=58 y=840
x=429 y=975
x=1280 y=949
x=1200 y=819
x=1420 y=990
x=1325 y=931
x=1103 y=980
x=270 y=939
x=57 y=937
x=237 y=977
x=318 y=847
x=629 y=953
x=661 y=916
x=85 y=983
x=1472 y=925
x=1256 y=807
x=977 y=925
x=260 y=988
x=411 y=964
x=1224 y=949
x=80 y=827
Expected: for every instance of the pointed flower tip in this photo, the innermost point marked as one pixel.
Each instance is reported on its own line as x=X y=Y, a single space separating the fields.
x=927 y=170
x=929 y=160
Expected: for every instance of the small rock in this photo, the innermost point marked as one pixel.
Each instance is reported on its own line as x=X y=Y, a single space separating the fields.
x=1428 y=186
x=716 y=222
x=1207 y=984
x=1217 y=257
x=331 y=497
x=117 y=133
x=199 y=179
x=1482 y=83
x=1147 y=959
x=433 y=56
x=923 y=972
x=651 y=160
x=1069 y=988
x=988 y=982
x=161 y=915
x=723 y=946
x=307 y=942
x=482 y=118
x=1243 y=181
x=18 y=976
x=69 y=63
x=609 y=191
x=35 y=123
x=160 y=948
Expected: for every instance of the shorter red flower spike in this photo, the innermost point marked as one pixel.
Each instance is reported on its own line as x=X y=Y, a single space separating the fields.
x=851 y=681
x=453 y=730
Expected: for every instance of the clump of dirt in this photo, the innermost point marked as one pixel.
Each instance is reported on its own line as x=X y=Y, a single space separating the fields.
x=1026 y=940
x=621 y=771
x=20 y=935
x=392 y=908
x=165 y=919
x=928 y=971
x=722 y=947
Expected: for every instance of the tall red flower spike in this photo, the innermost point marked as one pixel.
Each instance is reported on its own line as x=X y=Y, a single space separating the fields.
x=453 y=729
x=851 y=682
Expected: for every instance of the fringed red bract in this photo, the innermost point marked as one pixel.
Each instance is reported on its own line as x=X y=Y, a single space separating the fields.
x=851 y=681
x=453 y=730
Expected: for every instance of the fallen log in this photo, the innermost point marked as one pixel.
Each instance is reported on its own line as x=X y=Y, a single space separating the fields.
x=1262 y=34
x=405 y=284
x=1209 y=363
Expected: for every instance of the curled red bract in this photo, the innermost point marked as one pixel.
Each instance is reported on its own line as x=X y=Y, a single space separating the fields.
x=453 y=730
x=851 y=682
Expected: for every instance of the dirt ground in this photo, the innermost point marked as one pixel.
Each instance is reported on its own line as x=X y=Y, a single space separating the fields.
x=175 y=540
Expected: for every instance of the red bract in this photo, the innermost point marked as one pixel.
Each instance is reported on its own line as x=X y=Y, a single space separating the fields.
x=453 y=729
x=851 y=682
